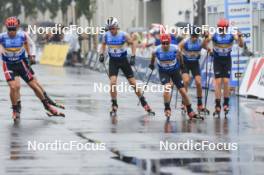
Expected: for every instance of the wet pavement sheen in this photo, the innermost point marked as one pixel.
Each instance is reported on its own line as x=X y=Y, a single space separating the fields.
x=132 y=138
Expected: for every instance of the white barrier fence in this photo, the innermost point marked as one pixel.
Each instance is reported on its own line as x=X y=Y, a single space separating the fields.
x=253 y=81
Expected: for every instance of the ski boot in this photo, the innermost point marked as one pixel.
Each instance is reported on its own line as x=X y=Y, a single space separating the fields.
x=202 y=110
x=226 y=110
x=53 y=103
x=167 y=113
x=192 y=114
x=51 y=111
x=217 y=111
x=146 y=106
x=113 y=112
x=16 y=113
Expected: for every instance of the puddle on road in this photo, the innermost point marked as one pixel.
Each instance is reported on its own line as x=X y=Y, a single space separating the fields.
x=167 y=166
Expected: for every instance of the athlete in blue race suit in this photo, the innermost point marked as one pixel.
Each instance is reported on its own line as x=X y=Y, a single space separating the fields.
x=15 y=45
x=190 y=48
x=169 y=72
x=222 y=46
x=116 y=41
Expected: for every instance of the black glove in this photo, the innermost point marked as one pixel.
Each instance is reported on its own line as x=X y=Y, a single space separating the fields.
x=132 y=60
x=31 y=60
x=151 y=66
x=101 y=58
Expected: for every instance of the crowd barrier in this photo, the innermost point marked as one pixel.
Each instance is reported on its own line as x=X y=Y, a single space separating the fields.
x=252 y=84
x=54 y=54
x=253 y=81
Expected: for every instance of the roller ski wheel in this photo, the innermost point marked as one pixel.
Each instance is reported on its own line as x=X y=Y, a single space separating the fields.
x=58 y=114
x=202 y=110
x=217 y=112
x=192 y=115
x=149 y=110
x=226 y=110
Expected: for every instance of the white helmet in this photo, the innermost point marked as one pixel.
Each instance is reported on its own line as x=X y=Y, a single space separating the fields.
x=112 y=22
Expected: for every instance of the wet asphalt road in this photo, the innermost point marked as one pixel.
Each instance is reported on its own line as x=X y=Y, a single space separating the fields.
x=132 y=139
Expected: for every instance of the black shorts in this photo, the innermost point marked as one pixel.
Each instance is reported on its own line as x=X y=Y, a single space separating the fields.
x=222 y=67
x=17 y=69
x=123 y=64
x=175 y=76
x=192 y=66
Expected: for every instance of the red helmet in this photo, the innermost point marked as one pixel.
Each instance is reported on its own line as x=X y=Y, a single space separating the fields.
x=223 y=23
x=165 y=37
x=11 y=22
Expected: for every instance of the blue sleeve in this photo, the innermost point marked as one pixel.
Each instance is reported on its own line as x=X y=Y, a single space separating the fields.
x=1 y=39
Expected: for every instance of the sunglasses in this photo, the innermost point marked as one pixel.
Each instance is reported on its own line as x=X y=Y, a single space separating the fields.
x=11 y=29
x=165 y=43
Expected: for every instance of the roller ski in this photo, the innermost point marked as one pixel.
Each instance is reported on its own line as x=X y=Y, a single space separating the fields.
x=149 y=110
x=53 y=103
x=226 y=110
x=51 y=111
x=192 y=115
x=202 y=110
x=217 y=111
x=146 y=106
x=16 y=114
x=167 y=113
x=113 y=112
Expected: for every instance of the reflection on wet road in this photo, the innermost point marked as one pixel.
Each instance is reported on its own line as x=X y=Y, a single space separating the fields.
x=132 y=138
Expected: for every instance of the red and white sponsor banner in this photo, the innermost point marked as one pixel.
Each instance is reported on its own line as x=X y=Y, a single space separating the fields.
x=253 y=81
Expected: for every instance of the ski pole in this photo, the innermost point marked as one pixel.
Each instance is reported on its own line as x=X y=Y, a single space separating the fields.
x=238 y=79
x=176 y=101
x=106 y=70
x=208 y=77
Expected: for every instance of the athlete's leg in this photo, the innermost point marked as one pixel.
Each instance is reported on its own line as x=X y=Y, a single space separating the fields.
x=167 y=99
x=186 y=80
x=226 y=77
x=177 y=79
x=198 y=89
x=113 y=82
x=14 y=86
x=34 y=86
x=132 y=81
